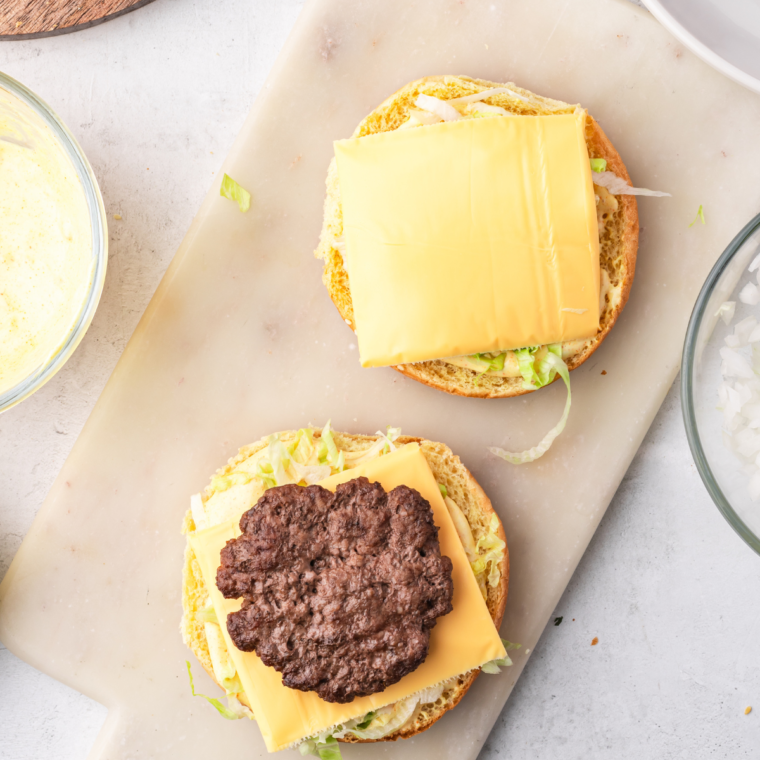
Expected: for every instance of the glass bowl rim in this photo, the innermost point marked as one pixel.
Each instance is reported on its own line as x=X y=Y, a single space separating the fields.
x=687 y=388
x=97 y=214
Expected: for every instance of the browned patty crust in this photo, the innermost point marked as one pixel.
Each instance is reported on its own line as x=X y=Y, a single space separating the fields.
x=340 y=590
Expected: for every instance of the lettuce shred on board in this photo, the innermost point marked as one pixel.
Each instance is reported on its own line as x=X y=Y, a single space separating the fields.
x=230 y=713
x=536 y=373
x=230 y=189
x=700 y=215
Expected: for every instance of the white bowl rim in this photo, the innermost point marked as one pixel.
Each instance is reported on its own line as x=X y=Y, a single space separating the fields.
x=709 y=56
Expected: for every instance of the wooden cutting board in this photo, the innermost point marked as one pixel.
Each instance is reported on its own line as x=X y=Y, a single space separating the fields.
x=25 y=19
x=241 y=340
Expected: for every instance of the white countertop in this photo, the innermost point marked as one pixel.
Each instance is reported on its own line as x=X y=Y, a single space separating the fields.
x=156 y=98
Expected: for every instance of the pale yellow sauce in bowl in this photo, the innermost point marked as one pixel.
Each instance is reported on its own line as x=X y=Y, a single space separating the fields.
x=53 y=248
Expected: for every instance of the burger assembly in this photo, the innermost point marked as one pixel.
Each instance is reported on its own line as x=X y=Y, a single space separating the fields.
x=343 y=587
x=479 y=238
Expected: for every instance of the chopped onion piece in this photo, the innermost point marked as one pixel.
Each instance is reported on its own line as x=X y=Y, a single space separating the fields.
x=425 y=117
x=735 y=364
x=475 y=97
x=618 y=186
x=438 y=107
x=750 y=294
x=726 y=311
x=755 y=263
x=743 y=329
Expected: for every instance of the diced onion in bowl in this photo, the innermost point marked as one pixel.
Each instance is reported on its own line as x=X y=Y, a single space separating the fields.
x=739 y=391
x=750 y=294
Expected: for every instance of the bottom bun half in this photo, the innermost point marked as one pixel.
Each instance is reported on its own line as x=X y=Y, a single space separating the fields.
x=462 y=488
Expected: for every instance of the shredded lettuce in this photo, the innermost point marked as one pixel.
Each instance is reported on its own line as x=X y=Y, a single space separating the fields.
x=494 y=666
x=304 y=448
x=487 y=362
x=225 y=712
x=490 y=552
x=208 y=614
x=279 y=457
x=384 y=445
x=223 y=482
x=327 y=749
x=529 y=362
x=232 y=685
x=598 y=165
x=367 y=720
x=238 y=709
x=492 y=362
x=700 y=215
x=547 y=367
x=332 y=450
x=305 y=460
x=444 y=490
x=230 y=189
x=431 y=695
x=265 y=472
x=618 y=186
x=311 y=474
x=388 y=721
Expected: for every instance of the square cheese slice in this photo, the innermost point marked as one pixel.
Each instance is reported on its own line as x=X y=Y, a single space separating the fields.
x=470 y=236
x=462 y=640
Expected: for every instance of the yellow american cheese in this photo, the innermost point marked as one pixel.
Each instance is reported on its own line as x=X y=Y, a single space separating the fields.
x=470 y=236
x=462 y=640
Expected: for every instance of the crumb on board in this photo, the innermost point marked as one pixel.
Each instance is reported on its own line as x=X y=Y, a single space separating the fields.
x=604 y=371
x=117 y=217
x=747 y=709
x=594 y=641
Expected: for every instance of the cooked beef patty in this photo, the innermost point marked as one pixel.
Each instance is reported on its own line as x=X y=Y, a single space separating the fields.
x=340 y=591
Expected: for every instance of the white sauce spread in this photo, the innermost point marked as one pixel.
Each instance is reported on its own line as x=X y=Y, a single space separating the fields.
x=46 y=262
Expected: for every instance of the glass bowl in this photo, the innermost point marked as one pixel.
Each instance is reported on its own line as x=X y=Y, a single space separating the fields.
x=721 y=470
x=22 y=112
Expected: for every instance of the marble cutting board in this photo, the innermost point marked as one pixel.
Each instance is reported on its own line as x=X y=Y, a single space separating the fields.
x=241 y=340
